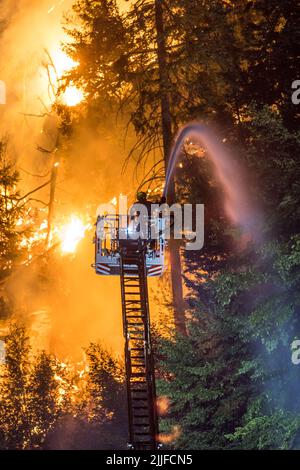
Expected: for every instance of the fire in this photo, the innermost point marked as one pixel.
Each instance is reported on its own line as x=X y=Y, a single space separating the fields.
x=34 y=238
x=65 y=233
x=171 y=437
x=72 y=96
x=71 y=234
x=62 y=63
x=163 y=405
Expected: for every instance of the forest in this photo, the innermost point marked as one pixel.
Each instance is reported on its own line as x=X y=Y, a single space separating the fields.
x=96 y=93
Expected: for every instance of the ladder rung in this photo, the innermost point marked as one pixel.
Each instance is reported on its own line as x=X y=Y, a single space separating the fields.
x=135 y=311
x=132 y=310
x=135 y=316
x=149 y=443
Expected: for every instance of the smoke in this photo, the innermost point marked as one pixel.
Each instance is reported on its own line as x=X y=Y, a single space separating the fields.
x=64 y=304
x=28 y=28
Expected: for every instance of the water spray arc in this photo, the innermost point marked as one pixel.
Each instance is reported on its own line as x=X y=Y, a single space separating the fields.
x=237 y=205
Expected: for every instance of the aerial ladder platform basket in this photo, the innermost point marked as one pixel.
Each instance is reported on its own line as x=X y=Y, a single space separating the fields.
x=119 y=253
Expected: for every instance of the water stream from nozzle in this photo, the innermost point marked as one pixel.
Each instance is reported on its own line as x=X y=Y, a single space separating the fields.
x=238 y=205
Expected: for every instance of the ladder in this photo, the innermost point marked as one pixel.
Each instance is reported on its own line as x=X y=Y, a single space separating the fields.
x=141 y=396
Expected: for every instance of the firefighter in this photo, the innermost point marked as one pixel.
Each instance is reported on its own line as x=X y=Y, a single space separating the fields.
x=142 y=199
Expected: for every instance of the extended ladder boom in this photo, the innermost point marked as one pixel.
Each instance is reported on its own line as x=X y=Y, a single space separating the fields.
x=143 y=423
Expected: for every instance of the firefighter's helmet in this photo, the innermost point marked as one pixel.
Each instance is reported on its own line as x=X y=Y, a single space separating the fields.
x=141 y=196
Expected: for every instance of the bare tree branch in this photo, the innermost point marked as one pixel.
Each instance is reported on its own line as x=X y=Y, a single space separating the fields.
x=34 y=191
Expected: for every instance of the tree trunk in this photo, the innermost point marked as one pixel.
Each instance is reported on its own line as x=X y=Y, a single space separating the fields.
x=54 y=172
x=166 y=121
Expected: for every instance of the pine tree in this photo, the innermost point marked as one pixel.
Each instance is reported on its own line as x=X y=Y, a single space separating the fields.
x=10 y=212
x=44 y=406
x=30 y=403
x=15 y=425
x=231 y=382
x=107 y=394
x=98 y=418
x=97 y=44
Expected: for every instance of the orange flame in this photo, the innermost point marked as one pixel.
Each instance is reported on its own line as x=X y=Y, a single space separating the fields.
x=171 y=437
x=72 y=233
x=163 y=405
x=72 y=95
